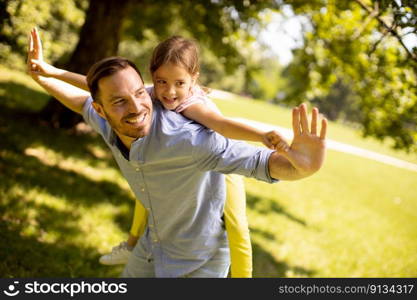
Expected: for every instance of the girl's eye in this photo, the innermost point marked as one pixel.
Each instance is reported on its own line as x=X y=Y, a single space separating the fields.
x=181 y=83
x=160 y=81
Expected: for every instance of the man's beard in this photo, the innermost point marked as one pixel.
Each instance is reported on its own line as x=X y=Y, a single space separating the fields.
x=124 y=129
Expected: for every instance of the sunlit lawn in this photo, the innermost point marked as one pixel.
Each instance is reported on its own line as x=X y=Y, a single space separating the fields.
x=355 y=218
x=63 y=203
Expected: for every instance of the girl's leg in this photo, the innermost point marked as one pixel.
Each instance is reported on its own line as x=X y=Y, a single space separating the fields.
x=120 y=254
x=138 y=224
x=237 y=227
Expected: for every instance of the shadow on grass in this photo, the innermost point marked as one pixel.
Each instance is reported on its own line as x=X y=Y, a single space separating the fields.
x=30 y=173
x=21 y=129
x=264 y=234
x=27 y=256
x=24 y=220
x=18 y=96
x=265 y=206
x=265 y=265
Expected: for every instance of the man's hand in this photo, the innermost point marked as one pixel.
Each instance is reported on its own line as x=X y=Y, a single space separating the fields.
x=307 y=151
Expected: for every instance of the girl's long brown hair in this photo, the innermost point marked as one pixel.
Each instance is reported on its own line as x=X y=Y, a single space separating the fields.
x=178 y=51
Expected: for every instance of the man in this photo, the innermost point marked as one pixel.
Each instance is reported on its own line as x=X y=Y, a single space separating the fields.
x=174 y=166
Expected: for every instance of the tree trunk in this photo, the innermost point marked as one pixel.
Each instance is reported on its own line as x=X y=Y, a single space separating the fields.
x=99 y=38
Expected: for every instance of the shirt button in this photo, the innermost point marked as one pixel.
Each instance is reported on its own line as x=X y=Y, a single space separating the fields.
x=142 y=189
x=137 y=169
x=150 y=226
x=155 y=240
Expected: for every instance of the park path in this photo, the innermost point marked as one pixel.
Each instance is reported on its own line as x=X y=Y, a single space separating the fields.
x=338 y=146
x=331 y=144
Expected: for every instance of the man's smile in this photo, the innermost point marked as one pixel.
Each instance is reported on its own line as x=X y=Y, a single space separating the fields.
x=137 y=119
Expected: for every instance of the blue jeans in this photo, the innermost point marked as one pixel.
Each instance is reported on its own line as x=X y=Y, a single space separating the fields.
x=143 y=267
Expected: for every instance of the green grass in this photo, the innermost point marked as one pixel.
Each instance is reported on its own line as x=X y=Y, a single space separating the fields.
x=19 y=91
x=63 y=202
x=356 y=221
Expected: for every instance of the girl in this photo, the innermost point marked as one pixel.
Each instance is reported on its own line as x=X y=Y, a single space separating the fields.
x=174 y=68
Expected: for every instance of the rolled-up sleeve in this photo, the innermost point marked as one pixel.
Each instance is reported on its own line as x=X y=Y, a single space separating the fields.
x=212 y=151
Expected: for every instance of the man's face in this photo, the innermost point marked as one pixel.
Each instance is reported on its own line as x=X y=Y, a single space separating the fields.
x=125 y=104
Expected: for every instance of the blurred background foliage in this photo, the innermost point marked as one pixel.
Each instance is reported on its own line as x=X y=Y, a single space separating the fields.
x=353 y=62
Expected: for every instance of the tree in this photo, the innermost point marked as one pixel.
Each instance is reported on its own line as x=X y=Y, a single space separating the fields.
x=361 y=44
x=62 y=18
x=99 y=38
x=212 y=22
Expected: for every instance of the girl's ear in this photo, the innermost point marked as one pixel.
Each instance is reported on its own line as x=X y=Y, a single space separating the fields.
x=195 y=78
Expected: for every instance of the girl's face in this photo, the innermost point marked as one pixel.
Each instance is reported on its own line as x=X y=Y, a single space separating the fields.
x=172 y=84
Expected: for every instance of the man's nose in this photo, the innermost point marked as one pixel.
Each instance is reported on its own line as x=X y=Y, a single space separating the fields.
x=134 y=104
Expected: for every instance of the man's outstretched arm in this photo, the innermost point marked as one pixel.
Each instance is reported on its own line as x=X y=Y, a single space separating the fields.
x=305 y=156
x=307 y=152
x=70 y=96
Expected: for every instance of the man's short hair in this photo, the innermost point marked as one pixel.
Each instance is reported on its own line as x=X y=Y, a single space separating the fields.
x=106 y=67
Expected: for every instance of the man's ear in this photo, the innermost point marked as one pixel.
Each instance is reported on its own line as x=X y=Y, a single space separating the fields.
x=99 y=109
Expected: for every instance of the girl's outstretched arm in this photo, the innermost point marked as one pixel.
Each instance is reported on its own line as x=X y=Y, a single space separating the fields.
x=69 y=95
x=42 y=68
x=232 y=129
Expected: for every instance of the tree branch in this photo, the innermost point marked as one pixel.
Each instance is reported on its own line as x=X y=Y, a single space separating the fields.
x=389 y=28
x=368 y=19
x=379 y=41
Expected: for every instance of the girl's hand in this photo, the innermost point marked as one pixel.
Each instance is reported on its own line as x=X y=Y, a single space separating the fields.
x=35 y=64
x=42 y=68
x=273 y=140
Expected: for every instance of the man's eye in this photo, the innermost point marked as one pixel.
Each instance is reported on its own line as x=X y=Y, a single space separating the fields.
x=118 y=101
x=160 y=81
x=140 y=93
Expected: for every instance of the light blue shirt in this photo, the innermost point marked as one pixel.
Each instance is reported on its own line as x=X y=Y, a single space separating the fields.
x=176 y=173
